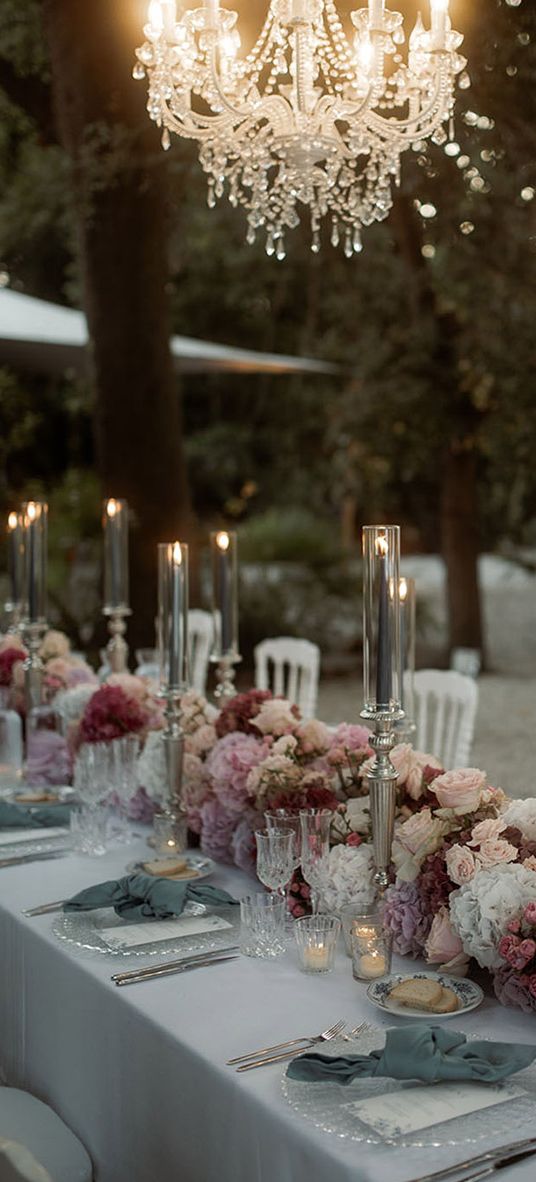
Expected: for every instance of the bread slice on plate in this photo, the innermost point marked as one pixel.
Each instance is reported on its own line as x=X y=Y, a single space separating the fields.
x=168 y=867
x=422 y=993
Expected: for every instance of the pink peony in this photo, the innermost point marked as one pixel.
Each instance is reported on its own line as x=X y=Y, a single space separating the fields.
x=276 y=717
x=110 y=714
x=486 y=830
x=229 y=765
x=461 y=864
x=313 y=737
x=237 y=714
x=460 y=789
x=443 y=945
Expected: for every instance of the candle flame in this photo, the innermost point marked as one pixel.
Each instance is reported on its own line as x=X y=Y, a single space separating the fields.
x=13 y=521
x=403 y=588
x=177 y=553
x=382 y=546
x=112 y=507
x=223 y=540
x=31 y=511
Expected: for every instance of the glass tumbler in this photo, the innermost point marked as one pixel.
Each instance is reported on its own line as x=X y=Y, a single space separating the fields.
x=316 y=941
x=275 y=858
x=355 y=916
x=262 y=925
x=372 y=949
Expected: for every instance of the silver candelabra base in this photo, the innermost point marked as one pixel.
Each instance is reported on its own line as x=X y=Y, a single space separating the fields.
x=117 y=647
x=33 y=666
x=173 y=740
x=382 y=778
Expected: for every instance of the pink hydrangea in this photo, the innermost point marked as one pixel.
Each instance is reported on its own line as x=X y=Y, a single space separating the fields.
x=49 y=760
x=229 y=765
x=217 y=827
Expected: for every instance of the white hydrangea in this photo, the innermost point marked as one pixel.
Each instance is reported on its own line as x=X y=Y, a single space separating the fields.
x=522 y=814
x=348 y=877
x=71 y=703
x=481 y=909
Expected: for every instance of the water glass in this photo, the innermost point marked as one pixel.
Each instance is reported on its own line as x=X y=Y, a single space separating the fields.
x=275 y=858
x=372 y=949
x=262 y=925
x=89 y=826
x=286 y=819
x=316 y=941
x=315 y=829
x=93 y=773
x=355 y=916
x=123 y=764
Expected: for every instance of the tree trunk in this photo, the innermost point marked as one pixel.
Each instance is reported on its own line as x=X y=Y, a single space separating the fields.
x=459 y=546
x=119 y=190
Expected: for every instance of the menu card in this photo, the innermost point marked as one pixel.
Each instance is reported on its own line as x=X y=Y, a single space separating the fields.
x=410 y=1109
x=133 y=934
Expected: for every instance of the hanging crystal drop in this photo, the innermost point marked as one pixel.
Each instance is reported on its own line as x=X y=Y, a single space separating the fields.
x=211 y=199
x=335 y=237
x=166 y=140
x=357 y=245
x=315 y=244
x=269 y=248
x=250 y=236
x=281 y=253
x=348 y=248
x=138 y=71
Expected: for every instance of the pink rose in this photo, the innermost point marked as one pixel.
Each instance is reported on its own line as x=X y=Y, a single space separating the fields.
x=354 y=839
x=313 y=737
x=530 y=864
x=514 y=925
x=486 y=830
x=527 y=948
x=530 y=910
x=494 y=850
x=410 y=766
x=461 y=864
x=442 y=943
x=460 y=789
x=508 y=946
x=419 y=836
x=276 y=717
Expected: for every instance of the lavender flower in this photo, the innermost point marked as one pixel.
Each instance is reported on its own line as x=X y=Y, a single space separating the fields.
x=406 y=915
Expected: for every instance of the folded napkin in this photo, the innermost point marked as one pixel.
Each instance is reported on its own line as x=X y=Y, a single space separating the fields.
x=26 y=816
x=428 y=1053
x=139 y=896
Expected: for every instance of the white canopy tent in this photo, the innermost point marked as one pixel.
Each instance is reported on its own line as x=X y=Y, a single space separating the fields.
x=42 y=337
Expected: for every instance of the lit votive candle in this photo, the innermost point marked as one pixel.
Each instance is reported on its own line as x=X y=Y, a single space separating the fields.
x=316 y=941
x=372 y=964
x=371 y=952
x=316 y=960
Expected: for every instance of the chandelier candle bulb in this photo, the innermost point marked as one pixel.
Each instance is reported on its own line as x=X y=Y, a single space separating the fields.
x=15 y=557
x=439 y=13
x=376 y=14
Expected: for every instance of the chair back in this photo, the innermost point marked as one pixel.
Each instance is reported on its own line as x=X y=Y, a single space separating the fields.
x=200 y=634
x=17 y=1164
x=290 y=667
x=445 y=705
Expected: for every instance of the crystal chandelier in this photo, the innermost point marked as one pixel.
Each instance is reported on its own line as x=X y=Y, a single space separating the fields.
x=310 y=116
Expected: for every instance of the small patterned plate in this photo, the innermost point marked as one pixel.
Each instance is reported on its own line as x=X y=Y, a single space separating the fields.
x=198 y=866
x=468 y=993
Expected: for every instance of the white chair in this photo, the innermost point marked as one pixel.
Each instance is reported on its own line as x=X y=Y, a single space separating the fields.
x=296 y=667
x=200 y=634
x=31 y=1123
x=445 y=705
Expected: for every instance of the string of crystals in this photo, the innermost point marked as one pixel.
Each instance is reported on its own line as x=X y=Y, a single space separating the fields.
x=311 y=116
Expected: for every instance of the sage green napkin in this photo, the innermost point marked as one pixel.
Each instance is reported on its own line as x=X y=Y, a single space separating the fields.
x=428 y=1053
x=139 y=896
x=31 y=816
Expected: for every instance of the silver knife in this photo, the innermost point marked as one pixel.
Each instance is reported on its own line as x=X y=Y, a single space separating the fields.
x=44 y=908
x=20 y=859
x=492 y=1158
x=169 y=964
x=168 y=970
x=499 y=1163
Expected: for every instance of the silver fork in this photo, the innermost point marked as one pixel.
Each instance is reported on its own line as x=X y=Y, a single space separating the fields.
x=282 y=1056
x=308 y=1039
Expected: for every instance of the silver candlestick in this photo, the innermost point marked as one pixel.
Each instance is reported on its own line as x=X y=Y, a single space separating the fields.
x=382 y=778
x=173 y=740
x=117 y=647
x=33 y=666
x=225 y=675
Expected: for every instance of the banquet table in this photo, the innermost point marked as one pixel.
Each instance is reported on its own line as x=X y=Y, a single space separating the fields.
x=139 y=1074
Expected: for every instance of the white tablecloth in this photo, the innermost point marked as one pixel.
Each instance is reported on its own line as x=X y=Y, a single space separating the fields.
x=139 y=1073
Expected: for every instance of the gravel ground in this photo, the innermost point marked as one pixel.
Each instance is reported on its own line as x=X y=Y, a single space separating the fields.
x=505 y=725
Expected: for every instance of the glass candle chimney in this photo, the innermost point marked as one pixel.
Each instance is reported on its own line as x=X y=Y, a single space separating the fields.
x=406 y=591
x=224 y=556
x=34 y=591
x=173 y=616
x=381 y=619
x=115 y=527
x=15 y=559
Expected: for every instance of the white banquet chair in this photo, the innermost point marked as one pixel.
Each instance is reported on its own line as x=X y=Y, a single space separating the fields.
x=33 y=1124
x=445 y=704
x=200 y=633
x=295 y=672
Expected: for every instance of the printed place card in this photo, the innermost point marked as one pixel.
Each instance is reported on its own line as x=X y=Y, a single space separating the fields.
x=411 y=1109
x=133 y=935
x=21 y=836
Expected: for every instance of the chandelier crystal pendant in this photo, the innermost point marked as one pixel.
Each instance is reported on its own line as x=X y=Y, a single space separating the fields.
x=313 y=115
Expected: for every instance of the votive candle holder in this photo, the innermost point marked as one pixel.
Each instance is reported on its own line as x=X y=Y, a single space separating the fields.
x=316 y=941
x=372 y=949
